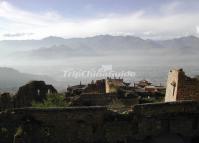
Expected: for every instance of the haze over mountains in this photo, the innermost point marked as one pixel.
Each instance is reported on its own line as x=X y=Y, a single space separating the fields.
x=53 y=55
x=93 y=45
x=104 y=48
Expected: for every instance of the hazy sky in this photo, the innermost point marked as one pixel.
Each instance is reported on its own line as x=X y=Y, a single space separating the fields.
x=159 y=19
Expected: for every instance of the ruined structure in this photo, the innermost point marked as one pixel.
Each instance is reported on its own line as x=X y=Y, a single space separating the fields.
x=33 y=91
x=181 y=87
x=112 y=85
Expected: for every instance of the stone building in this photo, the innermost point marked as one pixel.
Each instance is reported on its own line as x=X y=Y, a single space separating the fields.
x=181 y=87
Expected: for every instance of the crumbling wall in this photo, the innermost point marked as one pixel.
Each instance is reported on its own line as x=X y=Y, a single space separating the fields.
x=179 y=118
x=189 y=89
x=181 y=87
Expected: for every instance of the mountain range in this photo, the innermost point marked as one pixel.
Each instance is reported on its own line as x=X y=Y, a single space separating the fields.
x=57 y=47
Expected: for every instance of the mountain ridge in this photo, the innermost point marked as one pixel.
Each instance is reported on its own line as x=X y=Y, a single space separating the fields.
x=100 y=45
x=105 y=35
x=12 y=79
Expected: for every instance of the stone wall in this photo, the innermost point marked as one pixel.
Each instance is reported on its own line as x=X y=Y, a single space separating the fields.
x=148 y=123
x=62 y=125
x=172 y=118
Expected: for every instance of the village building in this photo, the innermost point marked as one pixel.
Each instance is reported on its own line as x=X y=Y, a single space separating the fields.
x=144 y=86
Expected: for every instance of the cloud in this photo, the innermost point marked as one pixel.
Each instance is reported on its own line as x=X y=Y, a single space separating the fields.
x=17 y=34
x=12 y=13
x=169 y=24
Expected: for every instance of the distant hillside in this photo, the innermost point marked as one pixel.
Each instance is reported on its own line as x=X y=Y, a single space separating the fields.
x=11 y=79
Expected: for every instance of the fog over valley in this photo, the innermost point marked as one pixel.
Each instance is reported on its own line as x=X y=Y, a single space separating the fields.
x=52 y=56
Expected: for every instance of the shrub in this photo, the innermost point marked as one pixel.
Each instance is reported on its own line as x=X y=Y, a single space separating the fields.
x=52 y=100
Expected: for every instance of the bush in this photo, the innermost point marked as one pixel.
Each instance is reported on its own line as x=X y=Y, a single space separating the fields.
x=52 y=100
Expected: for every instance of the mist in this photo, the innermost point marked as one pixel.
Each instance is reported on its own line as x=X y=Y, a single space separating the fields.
x=149 y=59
